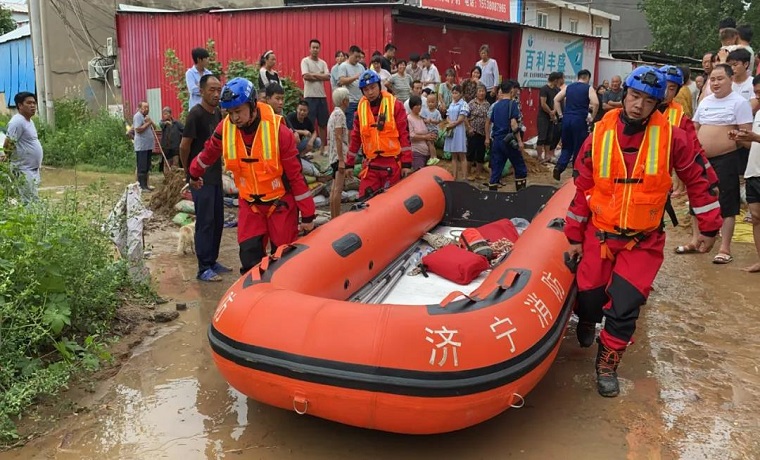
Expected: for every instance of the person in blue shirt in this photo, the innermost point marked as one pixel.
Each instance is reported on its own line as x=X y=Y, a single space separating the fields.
x=505 y=140
x=581 y=104
x=194 y=74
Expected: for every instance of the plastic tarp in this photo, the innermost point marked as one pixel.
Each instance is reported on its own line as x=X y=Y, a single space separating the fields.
x=125 y=225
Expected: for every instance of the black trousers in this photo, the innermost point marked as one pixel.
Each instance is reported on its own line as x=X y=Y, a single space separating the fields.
x=209 y=224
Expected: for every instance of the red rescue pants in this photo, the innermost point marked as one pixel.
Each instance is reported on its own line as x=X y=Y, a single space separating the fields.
x=260 y=223
x=377 y=173
x=617 y=288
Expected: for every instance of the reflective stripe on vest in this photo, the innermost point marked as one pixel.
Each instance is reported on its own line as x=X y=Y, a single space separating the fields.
x=623 y=202
x=258 y=171
x=376 y=143
x=674 y=113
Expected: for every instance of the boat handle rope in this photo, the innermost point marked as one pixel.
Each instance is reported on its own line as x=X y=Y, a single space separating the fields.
x=455 y=234
x=455 y=295
x=520 y=405
x=300 y=400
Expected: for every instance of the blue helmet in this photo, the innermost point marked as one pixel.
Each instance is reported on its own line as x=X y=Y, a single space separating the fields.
x=672 y=74
x=368 y=77
x=237 y=92
x=648 y=80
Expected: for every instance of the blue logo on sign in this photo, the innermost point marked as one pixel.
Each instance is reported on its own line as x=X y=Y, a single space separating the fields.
x=574 y=53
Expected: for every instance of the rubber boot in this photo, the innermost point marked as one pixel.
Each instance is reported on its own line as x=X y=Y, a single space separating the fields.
x=586 y=333
x=607 y=361
x=520 y=184
x=142 y=179
x=557 y=174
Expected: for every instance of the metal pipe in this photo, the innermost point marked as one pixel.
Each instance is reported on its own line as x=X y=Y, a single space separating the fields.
x=49 y=108
x=382 y=276
x=39 y=66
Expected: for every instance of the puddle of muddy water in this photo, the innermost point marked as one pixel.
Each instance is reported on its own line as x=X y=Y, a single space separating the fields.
x=704 y=333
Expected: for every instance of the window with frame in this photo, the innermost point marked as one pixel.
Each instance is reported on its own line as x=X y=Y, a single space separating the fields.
x=542 y=19
x=574 y=26
x=598 y=31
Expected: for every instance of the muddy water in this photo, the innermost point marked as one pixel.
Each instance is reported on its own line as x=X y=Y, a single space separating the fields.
x=689 y=389
x=56 y=181
x=704 y=331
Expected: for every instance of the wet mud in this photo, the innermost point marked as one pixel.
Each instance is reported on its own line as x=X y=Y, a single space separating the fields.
x=690 y=387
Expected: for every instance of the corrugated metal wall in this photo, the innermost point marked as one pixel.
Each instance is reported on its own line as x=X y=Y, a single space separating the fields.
x=245 y=35
x=16 y=68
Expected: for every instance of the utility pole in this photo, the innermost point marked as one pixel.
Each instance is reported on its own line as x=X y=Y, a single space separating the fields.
x=39 y=66
x=49 y=108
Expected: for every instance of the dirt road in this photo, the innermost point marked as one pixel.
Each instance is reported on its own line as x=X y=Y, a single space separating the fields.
x=690 y=388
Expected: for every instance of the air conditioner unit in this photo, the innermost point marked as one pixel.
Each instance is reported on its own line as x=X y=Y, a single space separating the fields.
x=110 y=48
x=95 y=71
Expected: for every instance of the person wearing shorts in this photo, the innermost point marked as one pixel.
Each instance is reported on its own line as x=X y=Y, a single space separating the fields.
x=719 y=116
x=752 y=175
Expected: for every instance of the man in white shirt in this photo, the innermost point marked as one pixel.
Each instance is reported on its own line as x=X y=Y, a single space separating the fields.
x=717 y=116
x=315 y=74
x=752 y=175
x=24 y=147
x=431 y=78
x=348 y=77
x=194 y=74
x=739 y=59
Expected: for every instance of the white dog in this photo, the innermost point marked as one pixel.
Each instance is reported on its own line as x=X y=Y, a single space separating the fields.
x=186 y=239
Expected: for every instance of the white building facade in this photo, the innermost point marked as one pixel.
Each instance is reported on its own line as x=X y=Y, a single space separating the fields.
x=570 y=17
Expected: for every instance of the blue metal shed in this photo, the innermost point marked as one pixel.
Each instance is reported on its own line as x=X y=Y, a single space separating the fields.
x=16 y=63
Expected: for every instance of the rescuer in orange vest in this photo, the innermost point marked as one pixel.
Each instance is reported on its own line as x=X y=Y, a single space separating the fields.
x=675 y=114
x=380 y=129
x=615 y=221
x=260 y=151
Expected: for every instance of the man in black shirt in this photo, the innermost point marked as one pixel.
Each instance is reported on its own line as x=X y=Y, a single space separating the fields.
x=548 y=137
x=388 y=58
x=171 y=136
x=300 y=123
x=200 y=124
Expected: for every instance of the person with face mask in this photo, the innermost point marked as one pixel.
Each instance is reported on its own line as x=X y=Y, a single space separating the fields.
x=260 y=151
x=615 y=222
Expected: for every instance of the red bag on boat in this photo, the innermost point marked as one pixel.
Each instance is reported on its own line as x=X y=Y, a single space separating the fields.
x=455 y=264
x=499 y=229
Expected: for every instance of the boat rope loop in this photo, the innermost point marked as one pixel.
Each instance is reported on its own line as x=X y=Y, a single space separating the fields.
x=300 y=401
x=519 y=405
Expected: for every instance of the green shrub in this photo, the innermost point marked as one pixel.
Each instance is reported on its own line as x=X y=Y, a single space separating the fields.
x=59 y=290
x=174 y=69
x=82 y=137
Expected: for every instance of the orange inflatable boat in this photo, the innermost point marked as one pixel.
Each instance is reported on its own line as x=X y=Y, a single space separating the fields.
x=288 y=334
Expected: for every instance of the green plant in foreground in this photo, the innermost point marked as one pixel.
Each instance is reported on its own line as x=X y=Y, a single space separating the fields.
x=59 y=291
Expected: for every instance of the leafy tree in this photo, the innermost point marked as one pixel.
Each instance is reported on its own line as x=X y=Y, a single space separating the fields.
x=752 y=17
x=7 y=24
x=689 y=28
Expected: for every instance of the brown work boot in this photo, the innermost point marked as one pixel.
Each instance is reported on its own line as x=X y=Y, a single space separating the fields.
x=586 y=333
x=607 y=361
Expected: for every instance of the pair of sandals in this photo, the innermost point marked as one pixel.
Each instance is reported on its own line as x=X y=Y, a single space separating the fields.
x=719 y=259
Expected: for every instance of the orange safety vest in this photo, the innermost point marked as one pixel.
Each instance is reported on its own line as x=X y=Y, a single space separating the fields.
x=375 y=142
x=632 y=205
x=674 y=113
x=258 y=171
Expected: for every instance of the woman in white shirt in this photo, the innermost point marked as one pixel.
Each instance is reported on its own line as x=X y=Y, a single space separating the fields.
x=489 y=73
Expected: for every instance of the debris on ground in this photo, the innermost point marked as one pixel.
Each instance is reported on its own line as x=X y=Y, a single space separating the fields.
x=166 y=195
x=534 y=165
